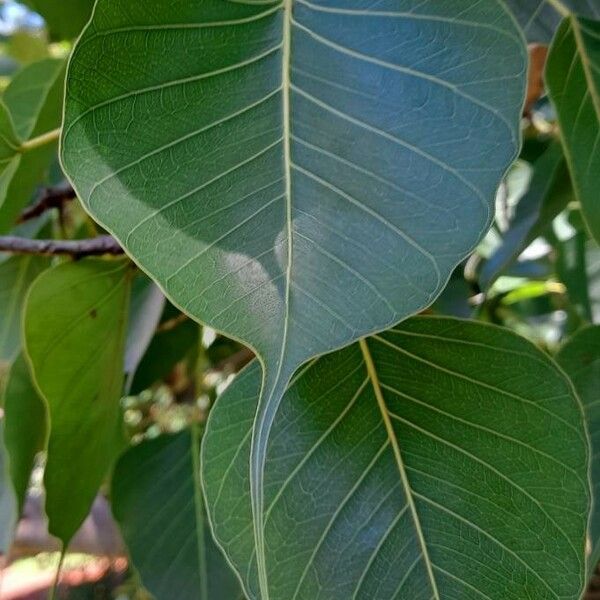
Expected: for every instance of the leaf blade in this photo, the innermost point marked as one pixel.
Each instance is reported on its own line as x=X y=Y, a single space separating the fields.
x=25 y=427
x=576 y=97
x=332 y=482
x=76 y=351
x=146 y=481
x=261 y=234
x=580 y=358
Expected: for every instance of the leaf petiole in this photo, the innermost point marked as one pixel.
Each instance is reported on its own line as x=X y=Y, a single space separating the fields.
x=560 y=7
x=42 y=140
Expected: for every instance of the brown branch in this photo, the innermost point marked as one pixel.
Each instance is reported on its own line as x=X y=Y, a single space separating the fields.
x=234 y=363
x=98 y=246
x=49 y=198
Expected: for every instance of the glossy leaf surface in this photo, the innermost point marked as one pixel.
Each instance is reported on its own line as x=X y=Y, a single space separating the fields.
x=157 y=501
x=442 y=459
x=75 y=326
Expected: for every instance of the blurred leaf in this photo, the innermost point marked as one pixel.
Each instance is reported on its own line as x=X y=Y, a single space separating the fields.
x=65 y=18
x=580 y=358
x=549 y=192
x=592 y=255
x=9 y=140
x=440 y=459
x=75 y=327
x=540 y=19
x=572 y=271
x=573 y=80
x=25 y=428
x=34 y=98
x=147 y=305
x=532 y=290
x=157 y=501
x=27 y=46
x=168 y=347
x=16 y=275
x=8 y=503
x=454 y=300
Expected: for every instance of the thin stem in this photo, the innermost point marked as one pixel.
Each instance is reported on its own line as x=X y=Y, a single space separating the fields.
x=97 y=246
x=560 y=7
x=49 y=198
x=54 y=590
x=42 y=140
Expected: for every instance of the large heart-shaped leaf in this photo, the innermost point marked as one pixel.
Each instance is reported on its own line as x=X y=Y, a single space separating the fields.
x=294 y=174
x=442 y=459
x=75 y=327
x=157 y=500
x=580 y=358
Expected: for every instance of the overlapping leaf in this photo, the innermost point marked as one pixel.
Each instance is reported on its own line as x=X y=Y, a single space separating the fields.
x=299 y=174
x=573 y=80
x=549 y=192
x=580 y=358
x=540 y=18
x=146 y=308
x=157 y=500
x=442 y=459
x=26 y=426
x=16 y=275
x=34 y=100
x=65 y=19
x=75 y=327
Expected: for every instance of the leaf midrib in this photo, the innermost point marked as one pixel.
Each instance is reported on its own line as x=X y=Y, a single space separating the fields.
x=586 y=63
x=385 y=415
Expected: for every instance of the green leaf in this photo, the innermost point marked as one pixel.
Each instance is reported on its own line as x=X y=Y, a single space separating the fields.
x=25 y=426
x=9 y=141
x=147 y=304
x=65 y=18
x=442 y=459
x=8 y=503
x=75 y=326
x=573 y=81
x=166 y=349
x=35 y=101
x=16 y=275
x=540 y=18
x=570 y=247
x=295 y=175
x=580 y=358
x=157 y=501
x=549 y=192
